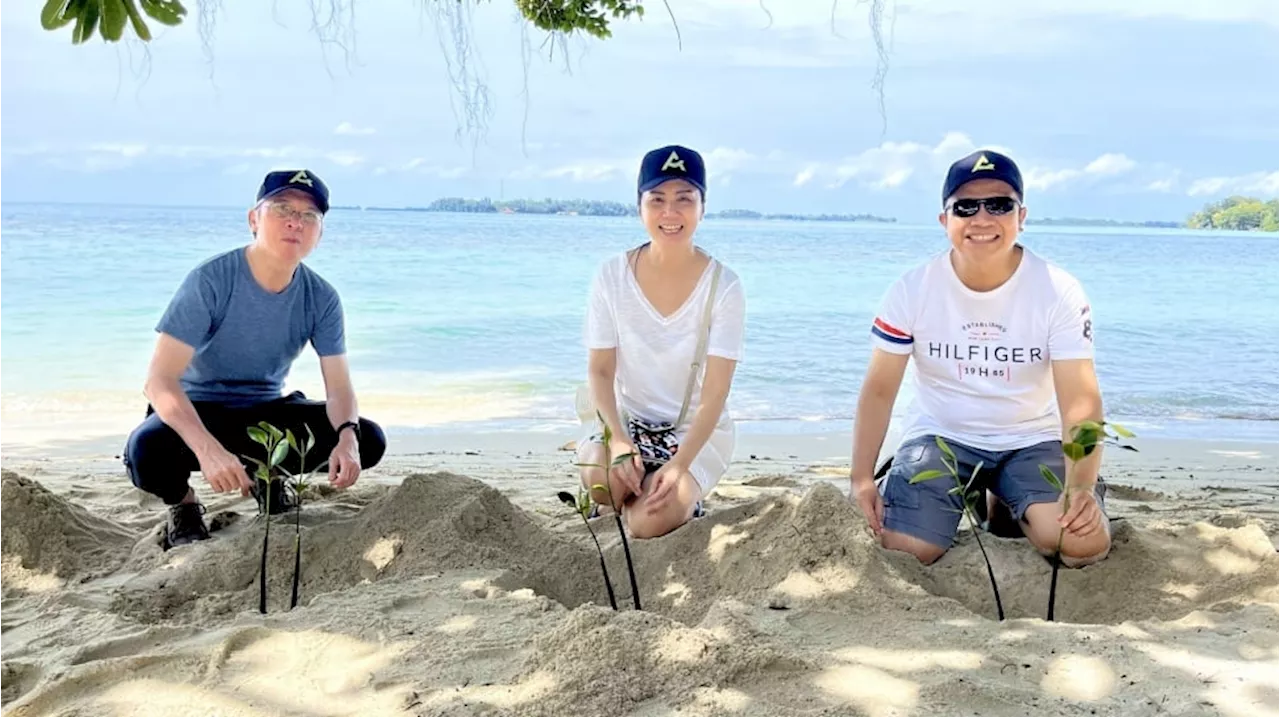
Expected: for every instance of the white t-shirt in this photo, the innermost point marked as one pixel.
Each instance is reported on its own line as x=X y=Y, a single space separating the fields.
x=983 y=374
x=655 y=354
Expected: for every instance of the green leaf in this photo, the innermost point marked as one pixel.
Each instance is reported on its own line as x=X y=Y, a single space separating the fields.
x=976 y=468
x=588 y=465
x=945 y=448
x=1050 y=478
x=1088 y=425
x=255 y=460
x=277 y=455
x=926 y=475
x=290 y=440
x=956 y=491
x=954 y=510
x=1121 y=430
x=311 y=439
x=1073 y=451
x=258 y=435
x=623 y=458
x=271 y=430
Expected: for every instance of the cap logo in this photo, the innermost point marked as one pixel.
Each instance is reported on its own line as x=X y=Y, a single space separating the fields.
x=673 y=162
x=982 y=164
x=301 y=178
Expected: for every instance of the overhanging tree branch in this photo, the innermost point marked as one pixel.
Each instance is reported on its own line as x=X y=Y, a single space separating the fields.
x=111 y=20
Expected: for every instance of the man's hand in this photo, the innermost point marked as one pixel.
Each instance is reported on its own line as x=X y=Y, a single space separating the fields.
x=1084 y=517
x=344 y=461
x=665 y=482
x=223 y=471
x=629 y=472
x=866 y=496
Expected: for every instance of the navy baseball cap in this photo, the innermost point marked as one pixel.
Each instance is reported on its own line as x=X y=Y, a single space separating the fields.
x=672 y=162
x=299 y=179
x=983 y=164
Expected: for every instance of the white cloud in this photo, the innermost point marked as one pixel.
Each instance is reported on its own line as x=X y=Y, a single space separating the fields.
x=419 y=165
x=1041 y=179
x=805 y=176
x=345 y=159
x=1255 y=183
x=1109 y=164
x=589 y=171
x=1163 y=185
x=892 y=163
x=346 y=128
x=725 y=159
x=124 y=150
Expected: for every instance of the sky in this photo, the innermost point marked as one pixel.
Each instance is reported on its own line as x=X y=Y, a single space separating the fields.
x=1126 y=109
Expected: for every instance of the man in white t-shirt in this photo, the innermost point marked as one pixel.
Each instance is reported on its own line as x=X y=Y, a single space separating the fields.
x=1003 y=348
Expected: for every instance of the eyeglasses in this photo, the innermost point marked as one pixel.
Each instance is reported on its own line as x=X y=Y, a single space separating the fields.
x=996 y=206
x=308 y=217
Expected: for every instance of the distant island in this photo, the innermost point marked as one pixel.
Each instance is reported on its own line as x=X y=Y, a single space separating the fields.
x=1233 y=213
x=598 y=208
x=1077 y=222
x=1239 y=213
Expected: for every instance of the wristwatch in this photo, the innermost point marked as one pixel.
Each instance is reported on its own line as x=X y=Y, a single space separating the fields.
x=355 y=428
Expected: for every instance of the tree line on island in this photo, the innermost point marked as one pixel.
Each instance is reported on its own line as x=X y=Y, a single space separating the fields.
x=1234 y=213
x=601 y=208
x=1240 y=213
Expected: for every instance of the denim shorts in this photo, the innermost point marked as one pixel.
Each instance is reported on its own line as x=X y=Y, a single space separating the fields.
x=927 y=511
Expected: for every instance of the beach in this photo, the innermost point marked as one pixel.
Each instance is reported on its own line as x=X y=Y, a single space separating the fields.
x=451 y=581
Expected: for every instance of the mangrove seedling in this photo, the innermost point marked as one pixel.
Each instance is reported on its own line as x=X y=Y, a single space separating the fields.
x=1085 y=437
x=609 y=462
x=582 y=506
x=277 y=448
x=969 y=497
x=299 y=484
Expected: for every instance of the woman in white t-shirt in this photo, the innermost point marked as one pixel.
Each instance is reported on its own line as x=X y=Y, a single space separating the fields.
x=1002 y=342
x=652 y=309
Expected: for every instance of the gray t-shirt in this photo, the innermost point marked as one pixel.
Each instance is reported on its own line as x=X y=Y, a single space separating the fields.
x=245 y=337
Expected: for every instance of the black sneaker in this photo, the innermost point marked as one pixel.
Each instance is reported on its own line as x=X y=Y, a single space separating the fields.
x=282 y=499
x=185 y=525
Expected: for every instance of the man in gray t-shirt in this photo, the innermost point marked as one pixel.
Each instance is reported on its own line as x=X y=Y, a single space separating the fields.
x=227 y=340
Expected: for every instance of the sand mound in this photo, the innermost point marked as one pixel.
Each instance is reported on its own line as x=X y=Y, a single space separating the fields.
x=47 y=540
x=427 y=524
x=1150 y=574
x=783 y=551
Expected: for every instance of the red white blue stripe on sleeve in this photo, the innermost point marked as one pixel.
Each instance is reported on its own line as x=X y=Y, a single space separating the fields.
x=889 y=333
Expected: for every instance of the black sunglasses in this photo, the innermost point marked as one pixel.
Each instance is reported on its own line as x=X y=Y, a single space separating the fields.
x=996 y=206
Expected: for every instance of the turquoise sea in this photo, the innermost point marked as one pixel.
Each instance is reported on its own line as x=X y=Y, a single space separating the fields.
x=474 y=321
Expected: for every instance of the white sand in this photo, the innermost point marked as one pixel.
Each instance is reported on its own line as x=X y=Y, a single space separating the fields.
x=451 y=582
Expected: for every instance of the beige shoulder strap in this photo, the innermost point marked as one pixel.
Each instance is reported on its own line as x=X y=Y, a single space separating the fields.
x=704 y=335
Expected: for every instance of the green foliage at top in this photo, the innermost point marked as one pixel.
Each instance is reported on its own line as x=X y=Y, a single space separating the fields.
x=1240 y=213
x=109 y=18
x=589 y=16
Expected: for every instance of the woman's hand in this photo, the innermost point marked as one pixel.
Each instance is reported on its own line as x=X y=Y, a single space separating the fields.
x=629 y=472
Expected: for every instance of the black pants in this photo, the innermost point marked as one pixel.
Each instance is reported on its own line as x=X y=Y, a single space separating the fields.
x=159 y=461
